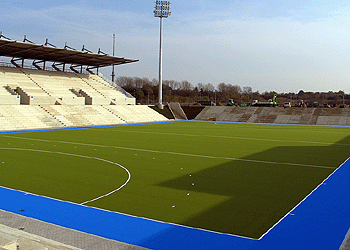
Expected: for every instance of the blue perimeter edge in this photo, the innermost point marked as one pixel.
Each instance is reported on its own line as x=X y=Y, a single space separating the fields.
x=321 y=221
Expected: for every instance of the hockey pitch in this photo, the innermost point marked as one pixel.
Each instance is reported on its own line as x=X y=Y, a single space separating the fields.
x=236 y=179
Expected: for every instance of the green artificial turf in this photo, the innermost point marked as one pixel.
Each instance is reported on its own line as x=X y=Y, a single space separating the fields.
x=231 y=178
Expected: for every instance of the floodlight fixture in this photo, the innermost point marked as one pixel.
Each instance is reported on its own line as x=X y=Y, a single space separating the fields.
x=161 y=10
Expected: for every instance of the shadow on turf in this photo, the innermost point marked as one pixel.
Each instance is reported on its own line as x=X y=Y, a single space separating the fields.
x=260 y=194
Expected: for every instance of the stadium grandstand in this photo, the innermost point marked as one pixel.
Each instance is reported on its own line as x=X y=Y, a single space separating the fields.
x=187 y=183
x=62 y=87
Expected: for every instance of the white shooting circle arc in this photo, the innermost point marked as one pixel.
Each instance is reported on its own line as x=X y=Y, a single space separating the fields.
x=82 y=156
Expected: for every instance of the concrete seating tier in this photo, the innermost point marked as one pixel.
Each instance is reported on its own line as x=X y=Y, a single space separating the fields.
x=24 y=117
x=67 y=88
x=136 y=113
x=103 y=87
x=3 y=90
x=61 y=84
x=9 y=99
x=8 y=242
x=81 y=116
x=277 y=115
x=108 y=91
x=61 y=99
x=24 y=86
x=6 y=97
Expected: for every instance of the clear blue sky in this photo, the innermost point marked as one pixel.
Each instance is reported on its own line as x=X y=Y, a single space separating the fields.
x=271 y=45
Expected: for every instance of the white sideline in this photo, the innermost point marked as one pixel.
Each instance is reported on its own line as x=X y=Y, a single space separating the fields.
x=290 y=212
x=233 y=137
x=82 y=156
x=174 y=153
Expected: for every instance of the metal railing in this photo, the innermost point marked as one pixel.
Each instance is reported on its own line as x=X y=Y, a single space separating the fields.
x=115 y=85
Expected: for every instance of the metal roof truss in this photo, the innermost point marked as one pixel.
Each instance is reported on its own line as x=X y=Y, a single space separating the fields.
x=59 y=56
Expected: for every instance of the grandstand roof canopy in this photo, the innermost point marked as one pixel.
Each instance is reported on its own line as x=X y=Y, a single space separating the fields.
x=23 y=50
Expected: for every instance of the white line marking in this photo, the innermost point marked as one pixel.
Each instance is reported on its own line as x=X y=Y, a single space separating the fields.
x=289 y=213
x=270 y=124
x=82 y=156
x=176 y=153
x=234 y=137
x=112 y=192
x=264 y=126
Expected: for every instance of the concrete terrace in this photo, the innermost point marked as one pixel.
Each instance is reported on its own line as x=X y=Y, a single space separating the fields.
x=277 y=115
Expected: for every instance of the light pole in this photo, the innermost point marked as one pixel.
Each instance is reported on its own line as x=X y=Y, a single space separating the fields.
x=113 y=55
x=161 y=10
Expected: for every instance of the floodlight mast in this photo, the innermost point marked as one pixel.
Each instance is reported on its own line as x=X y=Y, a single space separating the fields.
x=113 y=72
x=161 y=10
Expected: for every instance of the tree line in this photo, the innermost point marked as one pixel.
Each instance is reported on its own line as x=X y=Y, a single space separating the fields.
x=146 y=92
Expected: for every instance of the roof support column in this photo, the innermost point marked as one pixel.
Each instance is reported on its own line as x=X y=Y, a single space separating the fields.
x=13 y=61
x=73 y=69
